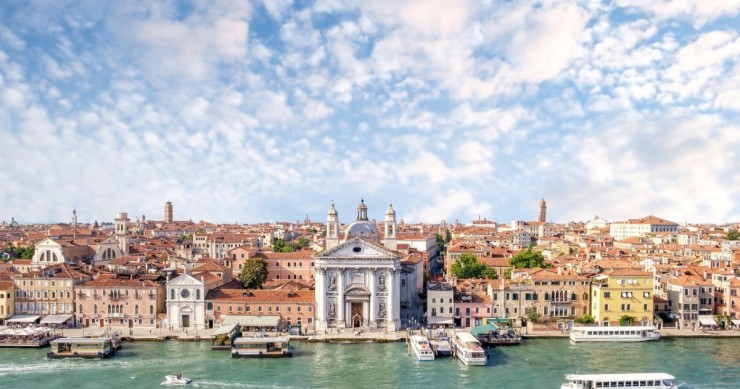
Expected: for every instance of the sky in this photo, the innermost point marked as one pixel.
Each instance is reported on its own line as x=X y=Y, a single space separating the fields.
x=262 y=111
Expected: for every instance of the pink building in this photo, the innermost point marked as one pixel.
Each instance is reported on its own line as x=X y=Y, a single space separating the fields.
x=111 y=301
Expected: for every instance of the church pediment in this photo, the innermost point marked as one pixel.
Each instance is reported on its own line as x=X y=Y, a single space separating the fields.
x=358 y=248
x=184 y=280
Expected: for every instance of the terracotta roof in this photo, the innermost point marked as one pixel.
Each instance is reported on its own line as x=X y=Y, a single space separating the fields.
x=261 y=295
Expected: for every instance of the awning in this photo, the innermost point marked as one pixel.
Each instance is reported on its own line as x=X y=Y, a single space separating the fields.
x=252 y=321
x=440 y=320
x=707 y=321
x=23 y=319
x=55 y=319
x=224 y=329
x=490 y=327
x=736 y=322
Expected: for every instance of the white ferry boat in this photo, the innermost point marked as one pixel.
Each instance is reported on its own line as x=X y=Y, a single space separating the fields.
x=262 y=347
x=629 y=380
x=468 y=349
x=421 y=348
x=614 y=334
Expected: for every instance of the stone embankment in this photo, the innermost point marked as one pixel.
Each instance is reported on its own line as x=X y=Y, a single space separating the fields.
x=348 y=336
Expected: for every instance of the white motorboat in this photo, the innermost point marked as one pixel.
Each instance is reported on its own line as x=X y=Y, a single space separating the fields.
x=468 y=349
x=614 y=334
x=421 y=348
x=177 y=379
x=631 y=380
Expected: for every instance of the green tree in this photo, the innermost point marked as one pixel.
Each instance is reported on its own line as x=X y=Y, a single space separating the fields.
x=254 y=273
x=733 y=235
x=440 y=243
x=281 y=246
x=528 y=259
x=532 y=314
x=303 y=243
x=626 y=320
x=468 y=266
x=585 y=319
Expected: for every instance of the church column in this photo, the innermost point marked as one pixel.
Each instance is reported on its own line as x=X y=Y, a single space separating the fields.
x=390 y=300
x=341 y=323
x=320 y=293
x=373 y=296
x=393 y=298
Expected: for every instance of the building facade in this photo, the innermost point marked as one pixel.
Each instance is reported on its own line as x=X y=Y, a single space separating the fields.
x=357 y=280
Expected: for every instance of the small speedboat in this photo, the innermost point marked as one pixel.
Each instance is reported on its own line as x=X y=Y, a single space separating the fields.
x=177 y=379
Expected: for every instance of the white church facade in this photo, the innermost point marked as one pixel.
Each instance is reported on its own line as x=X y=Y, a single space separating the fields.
x=357 y=278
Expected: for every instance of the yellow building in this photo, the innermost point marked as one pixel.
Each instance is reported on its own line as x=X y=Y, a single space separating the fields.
x=6 y=300
x=623 y=292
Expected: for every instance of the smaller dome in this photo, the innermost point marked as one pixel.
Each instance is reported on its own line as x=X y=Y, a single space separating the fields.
x=390 y=210
x=363 y=229
x=332 y=210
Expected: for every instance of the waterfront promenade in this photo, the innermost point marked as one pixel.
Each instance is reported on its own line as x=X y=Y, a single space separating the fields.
x=348 y=335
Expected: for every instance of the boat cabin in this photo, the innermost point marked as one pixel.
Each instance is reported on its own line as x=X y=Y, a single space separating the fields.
x=81 y=348
x=261 y=347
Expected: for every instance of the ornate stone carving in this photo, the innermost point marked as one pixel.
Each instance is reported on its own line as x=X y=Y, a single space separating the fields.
x=381 y=282
x=332 y=311
x=358 y=278
x=381 y=309
x=333 y=282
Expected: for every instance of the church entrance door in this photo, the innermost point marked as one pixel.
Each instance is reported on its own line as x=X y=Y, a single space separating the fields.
x=185 y=322
x=357 y=315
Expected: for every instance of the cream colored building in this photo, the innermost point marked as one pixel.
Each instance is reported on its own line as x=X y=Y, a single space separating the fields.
x=641 y=227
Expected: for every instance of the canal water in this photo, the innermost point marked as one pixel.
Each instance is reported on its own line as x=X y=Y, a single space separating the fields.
x=536 y=363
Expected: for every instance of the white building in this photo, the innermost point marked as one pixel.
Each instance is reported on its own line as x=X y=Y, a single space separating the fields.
x=358 y=280
x=186 y=304
x=641 y=227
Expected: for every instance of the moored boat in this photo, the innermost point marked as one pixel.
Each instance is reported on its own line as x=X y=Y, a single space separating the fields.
x=468 y=349
x=261 y=347
x=81 y=348
x=630 y=380
x=421 y=348
x=441 y=347
x=614 y=334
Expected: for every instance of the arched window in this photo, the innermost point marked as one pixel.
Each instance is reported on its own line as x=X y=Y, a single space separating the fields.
x=585 y=295
x=151 y=309
x=136 y=309
x=574 y=296
x=547 y=296
x=110 y=309
x=95 y=309
x=197 y=294
x=80 y=308
x=172 y=294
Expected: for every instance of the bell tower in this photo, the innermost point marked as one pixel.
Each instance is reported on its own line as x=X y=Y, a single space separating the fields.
x=390 y=228
x=543 y=212
x=332 y=227
x=121 y=233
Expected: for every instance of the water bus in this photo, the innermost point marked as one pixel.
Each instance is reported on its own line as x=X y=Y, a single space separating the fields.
x=421 y=348
x=614 y=334
x=81 y=348
x=262 y=347
x=628 y=380
x=468 y=349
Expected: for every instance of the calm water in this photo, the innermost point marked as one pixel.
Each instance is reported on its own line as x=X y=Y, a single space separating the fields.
x=537 y=363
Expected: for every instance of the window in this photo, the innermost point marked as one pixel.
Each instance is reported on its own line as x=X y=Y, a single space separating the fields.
x=646 y=294
x=607 y=295
x=606 y=307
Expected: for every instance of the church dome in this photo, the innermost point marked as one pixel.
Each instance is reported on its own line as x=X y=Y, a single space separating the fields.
x=363 y=229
